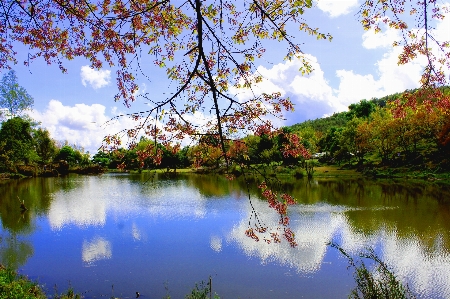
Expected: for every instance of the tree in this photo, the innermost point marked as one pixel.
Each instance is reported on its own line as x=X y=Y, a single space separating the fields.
x=356 y=138
x=330 y=141
x=14 y=97
x=362 y=109
x=66 y=153
x=384 y=136
x=101 y=158
x=17 y=140
x=45 y=146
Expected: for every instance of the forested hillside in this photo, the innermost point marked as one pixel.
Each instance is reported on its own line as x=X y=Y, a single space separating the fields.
x=404 y=129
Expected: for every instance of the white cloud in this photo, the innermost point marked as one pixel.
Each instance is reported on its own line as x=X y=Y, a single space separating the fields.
x=392 y=78
x=81 y=124
x=313 y=96
x=383 y=39
x=442 y=31
x=97 y=79
x=336 y=8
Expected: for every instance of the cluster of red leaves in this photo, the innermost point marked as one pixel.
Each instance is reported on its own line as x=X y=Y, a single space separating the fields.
x=151 y=151
x=252 y=232
x=280 y=206
x=292 y=147
x=238 y=150
x=428 y=99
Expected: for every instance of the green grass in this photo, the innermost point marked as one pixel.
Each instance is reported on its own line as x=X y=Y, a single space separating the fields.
x=14 y=286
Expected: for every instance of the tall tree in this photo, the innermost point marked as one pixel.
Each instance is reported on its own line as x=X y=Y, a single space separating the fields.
x=14 y=97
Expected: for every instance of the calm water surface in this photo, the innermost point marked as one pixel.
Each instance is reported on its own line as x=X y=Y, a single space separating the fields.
x=116 y=234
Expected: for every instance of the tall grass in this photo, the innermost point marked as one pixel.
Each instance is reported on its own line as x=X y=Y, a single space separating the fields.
x=378 y=283
x=200 y=291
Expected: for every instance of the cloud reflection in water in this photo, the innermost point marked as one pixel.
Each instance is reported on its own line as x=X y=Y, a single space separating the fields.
x=95 y=250
x=312 y=230
x=89 y=206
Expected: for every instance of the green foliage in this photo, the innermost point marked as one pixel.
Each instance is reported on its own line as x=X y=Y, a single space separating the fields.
x=201 y=291
x=13 y=97
x=74 y=157
x=17 y=141
x=363 y=109
x=129 y=157
x=14 y=286
x=66 y=153
x=45 y=146
x=323 y=125
x=330 y=141
x=310 y=138
x=70 y=294
x=101 y=158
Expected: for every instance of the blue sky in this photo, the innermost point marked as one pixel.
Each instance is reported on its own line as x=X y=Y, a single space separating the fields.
x=356 y=65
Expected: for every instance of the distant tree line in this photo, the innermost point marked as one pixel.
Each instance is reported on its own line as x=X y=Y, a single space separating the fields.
x=409 y=128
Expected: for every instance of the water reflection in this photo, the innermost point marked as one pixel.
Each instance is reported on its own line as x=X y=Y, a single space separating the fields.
x=136 y=232
x=14 y=249
x=88 y=206
x=216 y=243
x=312 y=230
x=96 y=249
x=178 y=223
x=426 y=269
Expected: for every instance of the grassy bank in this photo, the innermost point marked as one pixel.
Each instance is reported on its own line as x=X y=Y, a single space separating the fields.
x=319 y=170
x=15 y=286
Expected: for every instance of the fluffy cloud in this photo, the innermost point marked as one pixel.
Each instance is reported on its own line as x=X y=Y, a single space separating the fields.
x=336 y=8
x=384 y=39
x=81 y=124
x=87 y=125
x=313 y=96
x=97 y=79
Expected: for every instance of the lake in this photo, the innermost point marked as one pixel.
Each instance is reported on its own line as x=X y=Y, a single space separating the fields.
x=115 y=234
